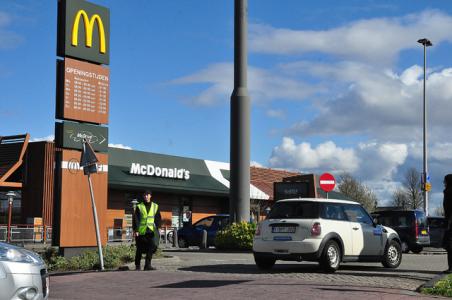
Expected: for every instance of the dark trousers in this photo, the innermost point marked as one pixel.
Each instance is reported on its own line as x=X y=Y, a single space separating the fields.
x=145 y=245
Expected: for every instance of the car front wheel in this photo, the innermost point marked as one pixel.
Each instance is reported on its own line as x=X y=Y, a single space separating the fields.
x=331 y=257
x=417 y=249
x=183 y=243
x=393 y=255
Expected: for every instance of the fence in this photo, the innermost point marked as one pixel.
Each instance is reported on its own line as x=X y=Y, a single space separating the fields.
x=125 y=234
x=27 y=233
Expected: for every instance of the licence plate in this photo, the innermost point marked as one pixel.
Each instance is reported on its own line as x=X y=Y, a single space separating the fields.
x=424 y=232
x=283 y=229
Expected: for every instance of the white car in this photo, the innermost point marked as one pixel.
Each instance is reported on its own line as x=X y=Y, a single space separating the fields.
x=23 y=274
x=325 y=230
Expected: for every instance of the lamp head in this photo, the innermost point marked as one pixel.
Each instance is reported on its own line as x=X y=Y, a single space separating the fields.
x=425 y=42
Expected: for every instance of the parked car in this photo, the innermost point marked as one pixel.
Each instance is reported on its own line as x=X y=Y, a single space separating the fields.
x=324 y=230
x=191 y=235
x=437 y=228
x=411 y=225
x=23 y=274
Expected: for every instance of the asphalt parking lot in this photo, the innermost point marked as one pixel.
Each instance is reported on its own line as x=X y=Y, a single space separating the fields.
x=194 y=274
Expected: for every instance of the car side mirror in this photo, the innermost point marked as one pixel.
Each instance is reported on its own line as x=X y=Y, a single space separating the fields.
x=375 y=220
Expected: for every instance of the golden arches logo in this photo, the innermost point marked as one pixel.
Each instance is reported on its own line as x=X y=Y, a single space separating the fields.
x=89 y=28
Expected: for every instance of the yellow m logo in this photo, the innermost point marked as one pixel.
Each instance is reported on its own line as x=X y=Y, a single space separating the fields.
x=89 y=27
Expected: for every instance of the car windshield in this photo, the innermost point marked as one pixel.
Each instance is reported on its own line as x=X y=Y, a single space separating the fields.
x=294 y=210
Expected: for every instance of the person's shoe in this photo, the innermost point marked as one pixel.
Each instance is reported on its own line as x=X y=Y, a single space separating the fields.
x=149 y=269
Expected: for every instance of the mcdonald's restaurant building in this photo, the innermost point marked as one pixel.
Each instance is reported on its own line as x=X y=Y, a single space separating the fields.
x=186 y=189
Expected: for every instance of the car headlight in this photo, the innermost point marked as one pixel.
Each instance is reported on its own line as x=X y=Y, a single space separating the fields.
x=18 y=255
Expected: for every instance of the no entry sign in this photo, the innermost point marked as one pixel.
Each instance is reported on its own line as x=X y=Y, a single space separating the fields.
x=327 y=182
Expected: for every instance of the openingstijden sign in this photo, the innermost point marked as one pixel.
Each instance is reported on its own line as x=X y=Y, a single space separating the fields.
x=327 y=182
x=83 y=91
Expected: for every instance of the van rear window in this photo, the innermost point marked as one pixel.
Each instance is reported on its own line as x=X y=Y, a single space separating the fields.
x=294 y=210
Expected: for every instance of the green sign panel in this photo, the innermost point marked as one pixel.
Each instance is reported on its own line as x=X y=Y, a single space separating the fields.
x=84 y=31
x=70 y=135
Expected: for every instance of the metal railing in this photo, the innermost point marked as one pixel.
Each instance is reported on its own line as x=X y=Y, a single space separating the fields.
x=27 y=233
x=125 y=234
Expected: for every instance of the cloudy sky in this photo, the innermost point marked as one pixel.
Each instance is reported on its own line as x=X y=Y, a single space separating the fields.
x=335 y=85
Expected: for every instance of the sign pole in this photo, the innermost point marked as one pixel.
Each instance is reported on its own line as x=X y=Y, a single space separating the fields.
x=88 y=162
x=96 y=223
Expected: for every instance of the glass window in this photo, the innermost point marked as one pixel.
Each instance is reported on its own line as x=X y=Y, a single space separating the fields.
x=355 y=213
x=207 y=222
x=223 y=222
x=294 y=210
x=333 y=211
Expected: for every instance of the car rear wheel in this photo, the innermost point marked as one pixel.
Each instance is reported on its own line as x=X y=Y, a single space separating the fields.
x=417 y=249
x=331 y=257
x=183 y=243
x=264 y=263
x=393 y=255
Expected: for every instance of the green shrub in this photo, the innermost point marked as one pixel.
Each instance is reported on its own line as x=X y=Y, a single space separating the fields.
x=441 y=288
x=237 y=236
x=114 y=256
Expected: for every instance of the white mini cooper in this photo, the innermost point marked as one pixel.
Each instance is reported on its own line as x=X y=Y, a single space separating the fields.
x=325 y=230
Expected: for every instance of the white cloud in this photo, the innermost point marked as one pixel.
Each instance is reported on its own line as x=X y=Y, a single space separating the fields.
x=276 y=113
x=256 y=164
x=371 y=161
x=263 y=85
x=303 y=157
x=379 y=40
x=121 y=146
x=49 y=138
x=8 y=39
x=380 y=103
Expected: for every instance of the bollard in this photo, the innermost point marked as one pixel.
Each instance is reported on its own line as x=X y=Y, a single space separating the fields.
x=175 y=238
x=204 y=240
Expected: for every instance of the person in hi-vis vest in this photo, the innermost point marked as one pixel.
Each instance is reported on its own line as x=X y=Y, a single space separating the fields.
x=146 y=223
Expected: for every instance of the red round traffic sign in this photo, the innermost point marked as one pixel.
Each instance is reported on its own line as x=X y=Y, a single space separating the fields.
x=327 y=182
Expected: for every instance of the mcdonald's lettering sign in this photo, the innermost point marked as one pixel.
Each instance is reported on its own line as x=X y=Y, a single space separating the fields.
x=83 y=31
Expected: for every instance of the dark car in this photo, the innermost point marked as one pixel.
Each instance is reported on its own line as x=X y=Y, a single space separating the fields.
x=411 y=225
x=191 y=235
x=437 y=227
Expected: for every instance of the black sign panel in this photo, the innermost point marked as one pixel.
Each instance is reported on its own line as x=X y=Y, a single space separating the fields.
x=83 y=31
x=285 y=190
x=70 y=135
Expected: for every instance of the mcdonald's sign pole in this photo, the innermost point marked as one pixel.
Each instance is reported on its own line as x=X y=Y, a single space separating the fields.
x=239 y=193
x=89 y=161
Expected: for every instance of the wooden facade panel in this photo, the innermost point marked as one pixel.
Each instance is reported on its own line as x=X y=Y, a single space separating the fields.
x=77 y=227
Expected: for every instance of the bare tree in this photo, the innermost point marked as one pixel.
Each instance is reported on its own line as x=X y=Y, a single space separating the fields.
x=400 y=199
x=357 y=191
x=412 y=188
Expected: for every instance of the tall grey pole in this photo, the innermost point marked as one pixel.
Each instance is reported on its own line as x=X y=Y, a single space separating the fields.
x=96 y=223
x=425 y=140
x=425 y=42
x=239 y=193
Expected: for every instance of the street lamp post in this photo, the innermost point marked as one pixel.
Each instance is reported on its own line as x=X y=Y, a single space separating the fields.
x=425 y=178
x=10 y=213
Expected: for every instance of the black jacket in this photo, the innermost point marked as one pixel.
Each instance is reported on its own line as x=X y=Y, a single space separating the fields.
x=137 y=217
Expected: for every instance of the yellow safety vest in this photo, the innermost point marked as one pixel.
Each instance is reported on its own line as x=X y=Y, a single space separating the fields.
x=147 y=218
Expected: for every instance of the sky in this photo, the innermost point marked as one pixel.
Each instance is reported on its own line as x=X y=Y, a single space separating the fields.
x=335 y=86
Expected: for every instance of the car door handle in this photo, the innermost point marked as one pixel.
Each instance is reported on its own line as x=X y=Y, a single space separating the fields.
x=355 y=228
